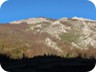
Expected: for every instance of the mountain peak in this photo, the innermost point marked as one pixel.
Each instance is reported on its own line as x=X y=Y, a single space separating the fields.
x=30 y=21
x=82 y=19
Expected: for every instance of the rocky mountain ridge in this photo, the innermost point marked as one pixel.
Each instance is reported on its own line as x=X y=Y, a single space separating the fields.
x=66 y=37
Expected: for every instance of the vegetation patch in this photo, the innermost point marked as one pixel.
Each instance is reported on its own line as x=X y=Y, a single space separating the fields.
x=69 y=37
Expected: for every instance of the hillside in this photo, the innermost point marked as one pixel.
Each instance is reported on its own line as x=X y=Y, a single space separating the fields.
x=66 y=37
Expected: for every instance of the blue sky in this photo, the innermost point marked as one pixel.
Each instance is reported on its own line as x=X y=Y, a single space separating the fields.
x=21 y=9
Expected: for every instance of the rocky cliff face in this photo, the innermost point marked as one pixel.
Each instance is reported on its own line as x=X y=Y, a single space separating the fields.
x=42 y=36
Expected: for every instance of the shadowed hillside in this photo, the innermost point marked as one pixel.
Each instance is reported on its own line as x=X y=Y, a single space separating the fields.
x=47 y=64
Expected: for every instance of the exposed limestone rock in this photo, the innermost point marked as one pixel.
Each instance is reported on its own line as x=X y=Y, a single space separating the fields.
x=52 y=44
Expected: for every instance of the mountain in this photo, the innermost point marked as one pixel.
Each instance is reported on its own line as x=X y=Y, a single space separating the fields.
x=65 y=37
